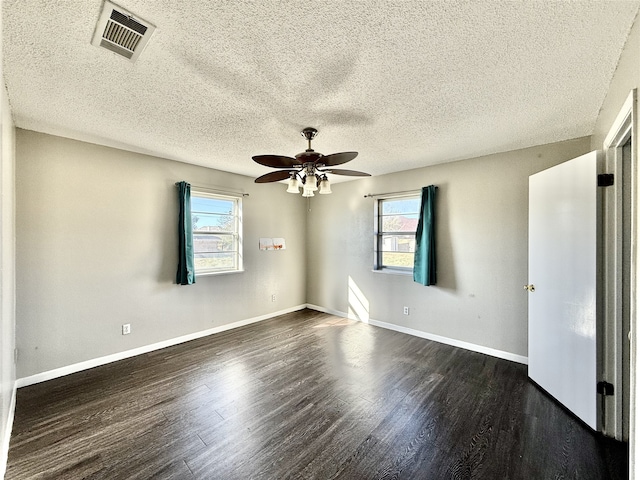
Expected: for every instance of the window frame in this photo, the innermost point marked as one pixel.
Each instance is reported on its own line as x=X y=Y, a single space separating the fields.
x=378 y=265
x=236 y=234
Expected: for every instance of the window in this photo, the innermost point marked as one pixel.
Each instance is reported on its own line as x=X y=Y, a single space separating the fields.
x=395 y=242
x=217 y=233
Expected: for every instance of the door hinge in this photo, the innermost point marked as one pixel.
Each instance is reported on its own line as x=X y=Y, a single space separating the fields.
x=604 y=388
x=605 y=179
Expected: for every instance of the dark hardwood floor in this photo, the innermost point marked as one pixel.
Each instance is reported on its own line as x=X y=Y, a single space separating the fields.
x=304 y=396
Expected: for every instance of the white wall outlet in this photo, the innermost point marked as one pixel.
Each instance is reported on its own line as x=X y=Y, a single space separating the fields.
x=126 y=329
x=405 y=310
x=273 y=297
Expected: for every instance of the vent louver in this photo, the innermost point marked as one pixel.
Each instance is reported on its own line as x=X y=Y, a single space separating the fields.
x=117 y=30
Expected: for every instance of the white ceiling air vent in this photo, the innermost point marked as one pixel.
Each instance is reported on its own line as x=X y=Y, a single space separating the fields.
x=117 y=30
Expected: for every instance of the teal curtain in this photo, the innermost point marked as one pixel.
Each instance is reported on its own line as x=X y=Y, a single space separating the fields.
x=186 y=273
x=424 y=262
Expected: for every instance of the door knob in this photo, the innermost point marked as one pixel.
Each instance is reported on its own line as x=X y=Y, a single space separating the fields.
x=531 y=288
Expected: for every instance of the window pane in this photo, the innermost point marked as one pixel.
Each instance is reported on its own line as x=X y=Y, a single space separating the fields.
x=211 y=205
x=400 y=205
x=207 y=243
x=215 y=261
x=206 y=222
x=216 y=232
x=398 y=243
x=399 y=223
x=397 y=259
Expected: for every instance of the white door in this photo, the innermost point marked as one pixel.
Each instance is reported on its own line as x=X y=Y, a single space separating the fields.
x=562 y=270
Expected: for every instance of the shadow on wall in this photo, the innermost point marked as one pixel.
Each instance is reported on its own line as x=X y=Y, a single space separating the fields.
x=444 y=247
x=169 y=238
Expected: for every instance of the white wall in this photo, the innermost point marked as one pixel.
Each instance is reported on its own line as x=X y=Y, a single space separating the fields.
x=7 y=274
x=481 y=244
x=97 y=248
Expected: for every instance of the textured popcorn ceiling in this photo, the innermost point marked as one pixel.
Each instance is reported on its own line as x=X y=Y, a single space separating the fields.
x=405 y=83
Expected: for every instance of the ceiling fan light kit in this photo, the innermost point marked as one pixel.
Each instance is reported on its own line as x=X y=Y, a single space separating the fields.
x=308 y=169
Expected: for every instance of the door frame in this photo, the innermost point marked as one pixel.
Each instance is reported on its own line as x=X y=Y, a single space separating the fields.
x=624 y=127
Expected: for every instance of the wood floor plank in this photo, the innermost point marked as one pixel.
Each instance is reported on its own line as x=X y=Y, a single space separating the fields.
x=304 y=395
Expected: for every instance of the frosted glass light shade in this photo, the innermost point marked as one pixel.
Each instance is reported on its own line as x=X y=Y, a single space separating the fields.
x=307 y=193
x=294 y=186
x=311 y=183
x=325 y=188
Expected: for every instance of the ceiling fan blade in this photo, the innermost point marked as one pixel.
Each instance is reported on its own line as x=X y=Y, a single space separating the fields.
x=275 y=161
x=274 y=176
x=350 y=173
x=337 y=158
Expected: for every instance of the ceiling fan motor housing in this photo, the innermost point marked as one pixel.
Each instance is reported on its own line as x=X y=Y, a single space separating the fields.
x=309 y=156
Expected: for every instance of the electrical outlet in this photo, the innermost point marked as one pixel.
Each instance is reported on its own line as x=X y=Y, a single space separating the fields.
x=126 y=329
x=273 y=297
x=405 y=310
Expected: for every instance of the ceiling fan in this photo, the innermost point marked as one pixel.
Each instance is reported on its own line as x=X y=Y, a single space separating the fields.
x=308 y=169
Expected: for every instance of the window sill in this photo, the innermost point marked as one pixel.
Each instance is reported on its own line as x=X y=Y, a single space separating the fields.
x=387 y=271
x=226 y=272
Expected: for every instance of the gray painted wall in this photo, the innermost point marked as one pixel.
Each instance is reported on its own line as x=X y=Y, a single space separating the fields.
x=482 y=218
x=97 y=248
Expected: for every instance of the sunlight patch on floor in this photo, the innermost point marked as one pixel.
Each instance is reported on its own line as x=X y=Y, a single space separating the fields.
x=338 y=322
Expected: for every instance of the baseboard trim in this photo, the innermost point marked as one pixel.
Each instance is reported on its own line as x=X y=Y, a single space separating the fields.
x=96 y=362
x=318 y=308
x=430 y=336
x=6 y=439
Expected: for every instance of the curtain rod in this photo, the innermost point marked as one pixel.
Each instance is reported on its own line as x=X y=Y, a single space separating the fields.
x=217 y=190
x=391 y=193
